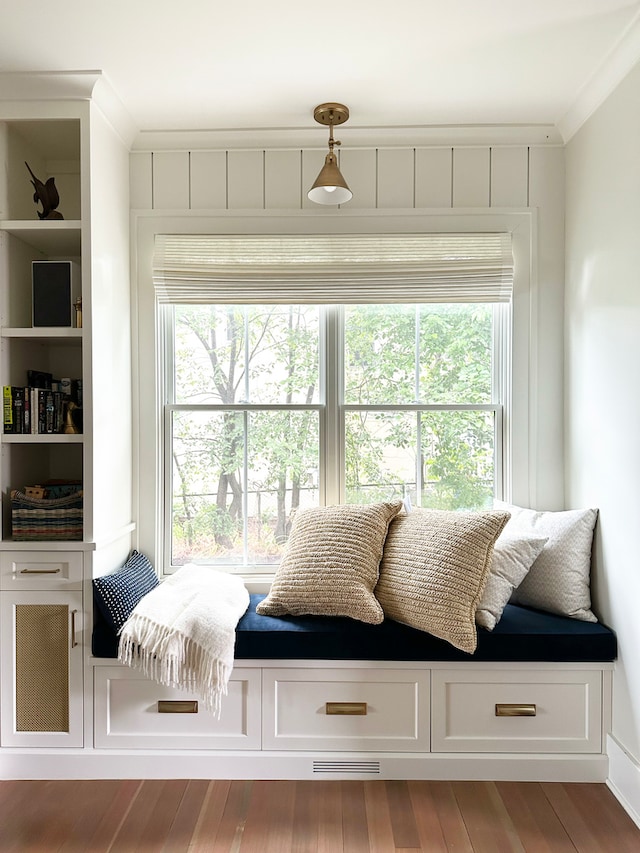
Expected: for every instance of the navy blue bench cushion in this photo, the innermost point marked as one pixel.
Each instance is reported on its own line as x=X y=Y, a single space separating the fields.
x=523 y=634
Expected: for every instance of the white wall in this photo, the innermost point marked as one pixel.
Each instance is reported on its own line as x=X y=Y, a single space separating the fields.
x=108 y=356
x=602 y=340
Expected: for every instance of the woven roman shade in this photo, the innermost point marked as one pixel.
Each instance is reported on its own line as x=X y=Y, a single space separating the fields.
x=333 y=269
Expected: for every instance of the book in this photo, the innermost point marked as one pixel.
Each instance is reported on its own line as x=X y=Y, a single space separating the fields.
x=58 y=403
x=49 y=412
x=25 y=409
x=7 y=409
x=18 y=409
x=35 y=411
x=38 y=410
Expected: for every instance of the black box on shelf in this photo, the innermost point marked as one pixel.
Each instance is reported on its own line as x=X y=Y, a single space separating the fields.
x=56 y=286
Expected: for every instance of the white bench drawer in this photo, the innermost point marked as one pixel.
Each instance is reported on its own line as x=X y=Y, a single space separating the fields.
x=128 y=714
x=517 y=711
x=41 y=570
x=346 y=709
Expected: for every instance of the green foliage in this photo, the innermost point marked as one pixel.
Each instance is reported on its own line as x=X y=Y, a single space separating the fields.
x=435 y=354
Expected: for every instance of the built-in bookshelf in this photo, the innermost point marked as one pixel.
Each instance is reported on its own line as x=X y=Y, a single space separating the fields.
x=34 y=445
x=82 y=479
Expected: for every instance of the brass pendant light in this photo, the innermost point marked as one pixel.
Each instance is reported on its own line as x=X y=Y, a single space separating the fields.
x=330 y=187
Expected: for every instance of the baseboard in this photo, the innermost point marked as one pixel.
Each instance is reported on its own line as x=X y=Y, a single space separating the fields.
x=624 y=778
x=130 y=764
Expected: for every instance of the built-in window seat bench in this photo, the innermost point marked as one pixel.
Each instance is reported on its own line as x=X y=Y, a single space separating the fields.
x=332 y=697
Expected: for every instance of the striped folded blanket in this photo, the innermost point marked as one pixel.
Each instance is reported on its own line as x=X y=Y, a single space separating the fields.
x=182 y=633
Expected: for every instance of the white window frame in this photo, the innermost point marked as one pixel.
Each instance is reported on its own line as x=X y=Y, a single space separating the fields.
x=331 y=408
x=515 y=371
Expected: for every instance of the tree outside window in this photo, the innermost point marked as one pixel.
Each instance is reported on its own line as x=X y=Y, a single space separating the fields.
x=248 y=393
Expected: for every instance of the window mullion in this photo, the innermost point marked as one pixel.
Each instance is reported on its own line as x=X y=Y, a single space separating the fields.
x=332 y=446
x=245 y=486
x=501 y=393
x=418 y=398
x=166 y=354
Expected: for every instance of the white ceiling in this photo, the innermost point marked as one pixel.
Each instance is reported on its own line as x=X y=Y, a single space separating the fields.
x=258 y=64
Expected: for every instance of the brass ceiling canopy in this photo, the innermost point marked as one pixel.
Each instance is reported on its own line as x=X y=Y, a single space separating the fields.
x=329 y=114
x=330 y=187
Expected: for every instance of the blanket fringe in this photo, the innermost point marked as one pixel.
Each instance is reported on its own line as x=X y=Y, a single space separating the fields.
x=186 y=666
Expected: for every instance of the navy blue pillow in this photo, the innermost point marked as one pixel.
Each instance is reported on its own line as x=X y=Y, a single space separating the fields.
x=118 y=593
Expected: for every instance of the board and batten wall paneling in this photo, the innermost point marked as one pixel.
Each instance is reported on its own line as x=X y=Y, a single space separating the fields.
x=282 y=177
x=245 y=171
x=208 y=180
x=171 y=180
x=312 y=162
x=471 y=177
x=433 y=177
x=358 y=167
x=141 y=180
x=510 y=176
x=396 y=177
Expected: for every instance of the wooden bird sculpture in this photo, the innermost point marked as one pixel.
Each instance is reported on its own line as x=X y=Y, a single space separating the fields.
x=47 y=195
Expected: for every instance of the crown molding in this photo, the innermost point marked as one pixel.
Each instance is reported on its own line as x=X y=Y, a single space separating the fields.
x=352 y=137
x=47 y=85
x=93 y=86
x=620 y=60
x=107 y=100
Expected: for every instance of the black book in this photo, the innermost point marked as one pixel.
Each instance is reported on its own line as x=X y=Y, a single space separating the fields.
x=49 y=412
x=23 y=404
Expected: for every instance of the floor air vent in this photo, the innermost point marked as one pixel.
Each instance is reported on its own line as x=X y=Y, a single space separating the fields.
x=346 y=767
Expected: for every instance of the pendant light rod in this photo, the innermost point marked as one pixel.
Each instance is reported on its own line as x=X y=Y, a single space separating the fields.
x=330 y=187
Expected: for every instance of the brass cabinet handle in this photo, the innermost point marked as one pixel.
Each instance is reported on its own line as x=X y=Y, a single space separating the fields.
x=346 y=709
x=177 y=706
x=515 y=710
x=40 y=571
x=74 y=642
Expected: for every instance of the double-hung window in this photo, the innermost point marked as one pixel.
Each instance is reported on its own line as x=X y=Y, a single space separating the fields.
x=298 y=372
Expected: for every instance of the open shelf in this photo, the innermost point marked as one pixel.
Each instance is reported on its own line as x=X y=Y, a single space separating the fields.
x=43 y=438
x=57 y=237
x=49 y=335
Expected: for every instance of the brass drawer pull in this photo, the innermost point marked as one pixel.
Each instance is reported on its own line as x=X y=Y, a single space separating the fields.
x=506 y=710
x=74 y=642
x=40 y=571
x=177 y=706
x=346 y=709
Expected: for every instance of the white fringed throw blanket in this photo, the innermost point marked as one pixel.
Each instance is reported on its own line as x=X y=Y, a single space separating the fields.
x=182 y=633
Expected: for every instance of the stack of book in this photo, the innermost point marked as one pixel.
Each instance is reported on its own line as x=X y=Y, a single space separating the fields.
x=40 y=406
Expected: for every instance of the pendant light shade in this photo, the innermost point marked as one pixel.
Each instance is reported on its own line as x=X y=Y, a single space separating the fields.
x=330 y=187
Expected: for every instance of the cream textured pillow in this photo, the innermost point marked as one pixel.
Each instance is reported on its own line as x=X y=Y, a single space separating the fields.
x=559 y=579
x=513 y=556
x=330 y=565
x=434 y=568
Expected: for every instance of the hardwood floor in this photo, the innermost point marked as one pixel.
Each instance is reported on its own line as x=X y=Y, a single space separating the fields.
x=312 y=817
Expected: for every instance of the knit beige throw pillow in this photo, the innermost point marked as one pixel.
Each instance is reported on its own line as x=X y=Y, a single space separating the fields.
x=434 y=569
x=330 y=565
